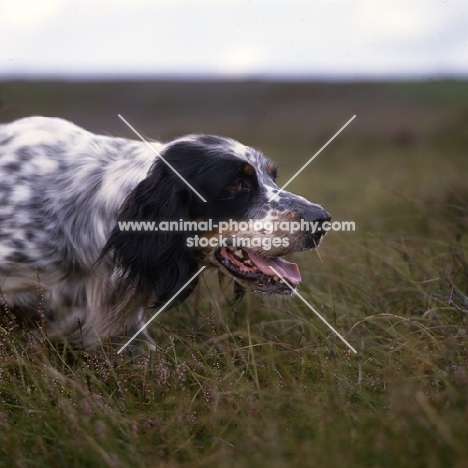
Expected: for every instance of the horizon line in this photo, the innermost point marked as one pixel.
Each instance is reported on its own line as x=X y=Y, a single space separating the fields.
x=239 y=77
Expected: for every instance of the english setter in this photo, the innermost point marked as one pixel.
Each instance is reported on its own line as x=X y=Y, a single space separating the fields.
x=64 y=191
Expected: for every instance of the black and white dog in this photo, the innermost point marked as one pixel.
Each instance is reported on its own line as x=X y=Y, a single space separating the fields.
x=64 y=191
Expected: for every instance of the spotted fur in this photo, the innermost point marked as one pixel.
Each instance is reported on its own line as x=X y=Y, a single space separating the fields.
x=63 y=190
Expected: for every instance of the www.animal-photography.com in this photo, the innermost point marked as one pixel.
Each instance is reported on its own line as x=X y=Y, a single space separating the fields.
x=233 y=234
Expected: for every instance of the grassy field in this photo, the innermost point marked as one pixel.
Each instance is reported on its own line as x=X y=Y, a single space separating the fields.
x=264 y=383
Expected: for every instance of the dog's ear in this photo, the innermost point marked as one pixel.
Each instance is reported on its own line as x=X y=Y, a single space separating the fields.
x=157 y=260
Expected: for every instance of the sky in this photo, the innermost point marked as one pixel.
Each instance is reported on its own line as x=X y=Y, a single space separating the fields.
x=234 y=38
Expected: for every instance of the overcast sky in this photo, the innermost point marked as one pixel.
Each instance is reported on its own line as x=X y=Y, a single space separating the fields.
x=425 y=38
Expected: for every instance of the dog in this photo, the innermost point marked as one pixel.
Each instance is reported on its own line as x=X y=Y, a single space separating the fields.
x=66 y=193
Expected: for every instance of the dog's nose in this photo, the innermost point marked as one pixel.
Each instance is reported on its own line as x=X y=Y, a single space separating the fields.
x=316 y=217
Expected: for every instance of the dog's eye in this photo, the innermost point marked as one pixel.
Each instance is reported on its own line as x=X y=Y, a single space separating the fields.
x=235 y=186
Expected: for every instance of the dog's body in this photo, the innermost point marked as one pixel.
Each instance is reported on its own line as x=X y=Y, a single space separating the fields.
x=64 y=189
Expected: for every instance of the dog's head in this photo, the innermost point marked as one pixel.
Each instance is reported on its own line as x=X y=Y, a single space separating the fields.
x=214 y=202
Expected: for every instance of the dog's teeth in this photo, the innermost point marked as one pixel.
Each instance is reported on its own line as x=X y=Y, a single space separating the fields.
x=248 y=262
x=276 y=278
x=239 y=253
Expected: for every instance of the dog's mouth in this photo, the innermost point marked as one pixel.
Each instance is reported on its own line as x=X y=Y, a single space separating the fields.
x=257 y=273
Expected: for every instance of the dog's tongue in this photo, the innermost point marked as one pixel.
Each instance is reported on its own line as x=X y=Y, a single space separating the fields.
x=289 y=271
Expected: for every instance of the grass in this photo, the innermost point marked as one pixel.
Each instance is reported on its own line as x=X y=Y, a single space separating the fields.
x=265 y=383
